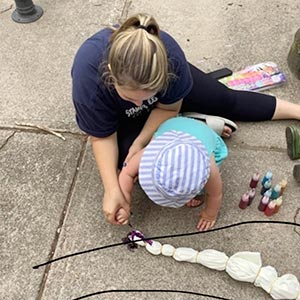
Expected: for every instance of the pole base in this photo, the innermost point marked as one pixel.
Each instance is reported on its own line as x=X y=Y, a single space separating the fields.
x=37 y=12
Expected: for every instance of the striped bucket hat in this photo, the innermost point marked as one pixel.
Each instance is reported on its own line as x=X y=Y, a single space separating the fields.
x=174 y=168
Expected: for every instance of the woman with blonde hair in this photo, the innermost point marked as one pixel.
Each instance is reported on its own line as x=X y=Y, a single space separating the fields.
x=129 y=79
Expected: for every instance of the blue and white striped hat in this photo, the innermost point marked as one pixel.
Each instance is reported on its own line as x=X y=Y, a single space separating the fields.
x=174 y=168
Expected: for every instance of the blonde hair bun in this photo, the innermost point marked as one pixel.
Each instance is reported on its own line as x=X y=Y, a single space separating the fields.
x=137 y=55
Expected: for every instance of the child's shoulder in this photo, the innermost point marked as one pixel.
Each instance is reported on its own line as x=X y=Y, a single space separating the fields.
x=187 y=125
x=181 y=120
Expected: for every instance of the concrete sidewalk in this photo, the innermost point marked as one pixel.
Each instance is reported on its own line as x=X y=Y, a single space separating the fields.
x=50 y=191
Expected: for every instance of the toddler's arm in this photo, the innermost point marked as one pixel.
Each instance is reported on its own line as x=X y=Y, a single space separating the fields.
x=128 y=174
x=213 y=190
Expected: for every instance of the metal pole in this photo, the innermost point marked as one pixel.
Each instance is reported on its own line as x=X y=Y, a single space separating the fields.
x=26 y=11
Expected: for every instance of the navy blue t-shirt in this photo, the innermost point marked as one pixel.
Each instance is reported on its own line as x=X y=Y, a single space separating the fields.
x=99 y=108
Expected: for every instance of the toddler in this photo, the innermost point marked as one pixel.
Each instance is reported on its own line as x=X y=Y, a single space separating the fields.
x=179 y=163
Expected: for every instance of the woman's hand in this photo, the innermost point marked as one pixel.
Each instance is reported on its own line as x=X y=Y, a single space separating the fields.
x=114 y=202
x=106 y=155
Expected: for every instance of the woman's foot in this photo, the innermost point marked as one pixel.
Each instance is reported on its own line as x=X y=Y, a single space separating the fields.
x=227 y=131
x=222 y=126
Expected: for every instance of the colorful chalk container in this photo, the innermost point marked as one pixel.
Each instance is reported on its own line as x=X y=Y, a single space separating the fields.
x=271 y=199
x=244 y=201
x=263 y=203
x=270 y=209
x=251 y=195
x=278 y=204
x=275 y=192
x=266 y=186
x=268 y=176
x=268 y=193
x=283 y=184
x=254 y=180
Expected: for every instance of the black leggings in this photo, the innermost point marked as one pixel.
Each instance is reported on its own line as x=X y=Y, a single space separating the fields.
x=211 y=97
x=208 y=96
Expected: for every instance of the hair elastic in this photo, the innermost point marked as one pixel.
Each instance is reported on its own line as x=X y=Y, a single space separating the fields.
x=142 y=27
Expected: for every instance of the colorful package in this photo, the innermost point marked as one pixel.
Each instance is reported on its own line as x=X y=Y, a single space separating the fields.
x=255 y=78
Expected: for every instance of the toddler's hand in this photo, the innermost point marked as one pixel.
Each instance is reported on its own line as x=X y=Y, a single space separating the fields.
x=206 y=221
x=122 y=216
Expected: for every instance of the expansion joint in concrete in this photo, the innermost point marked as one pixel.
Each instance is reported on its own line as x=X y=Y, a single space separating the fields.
x=38 y=130
x=63 y=217
x=6 y=140
x=125 y=9
x=5 y=9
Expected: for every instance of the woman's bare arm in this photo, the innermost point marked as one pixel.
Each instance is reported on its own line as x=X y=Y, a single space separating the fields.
x=106 y=156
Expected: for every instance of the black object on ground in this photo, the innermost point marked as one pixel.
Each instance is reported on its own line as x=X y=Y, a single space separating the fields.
x=221 y=73
x=296 y=172
x=26 y=12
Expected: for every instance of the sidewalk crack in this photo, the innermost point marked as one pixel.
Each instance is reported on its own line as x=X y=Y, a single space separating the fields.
x=6 y=140
x=34 y=129
x=125 y=9
x=63 y=217
x=5 y=9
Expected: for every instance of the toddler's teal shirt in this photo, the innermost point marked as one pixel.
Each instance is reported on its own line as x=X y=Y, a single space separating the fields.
x=209 y=138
